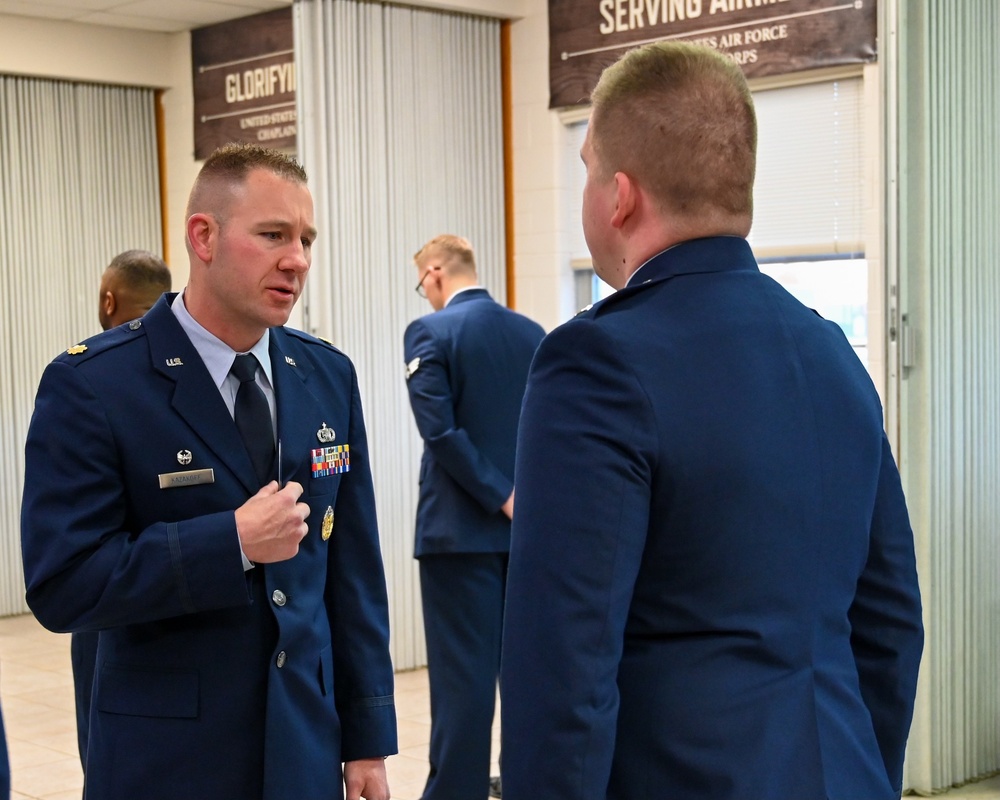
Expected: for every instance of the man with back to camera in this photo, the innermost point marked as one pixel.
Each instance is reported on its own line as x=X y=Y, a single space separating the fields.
x=466 y=365
x=198 y=489
x=712 y=588
x=131 y=284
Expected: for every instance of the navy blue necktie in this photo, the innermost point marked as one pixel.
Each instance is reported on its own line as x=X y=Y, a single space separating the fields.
x=253 y=417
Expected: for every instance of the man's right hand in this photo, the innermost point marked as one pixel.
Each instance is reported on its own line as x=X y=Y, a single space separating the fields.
x=272 y=523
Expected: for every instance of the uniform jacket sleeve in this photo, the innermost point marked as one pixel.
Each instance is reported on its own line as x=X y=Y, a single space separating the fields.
x=86 y=564
x=583 y=476
x=433 y=407
x=887 y=631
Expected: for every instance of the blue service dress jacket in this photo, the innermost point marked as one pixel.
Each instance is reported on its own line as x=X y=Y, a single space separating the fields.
x=466 y=369
x=211 y=681
x=712 y=589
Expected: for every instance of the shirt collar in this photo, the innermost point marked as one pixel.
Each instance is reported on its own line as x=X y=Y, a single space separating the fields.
x=458 y=292
x=217 y=355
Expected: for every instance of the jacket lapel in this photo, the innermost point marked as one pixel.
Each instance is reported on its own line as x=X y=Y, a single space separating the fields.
x=298 y=408
x=195 y=397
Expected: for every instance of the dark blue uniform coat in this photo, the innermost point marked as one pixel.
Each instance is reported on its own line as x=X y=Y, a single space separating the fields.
x=712 y=589
x=211 y=682
x=467 y=365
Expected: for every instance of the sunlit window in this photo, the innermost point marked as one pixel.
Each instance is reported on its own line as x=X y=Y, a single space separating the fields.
x=837 y=290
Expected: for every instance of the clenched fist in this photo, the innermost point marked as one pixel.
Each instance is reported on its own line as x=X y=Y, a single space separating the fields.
x=272 y=523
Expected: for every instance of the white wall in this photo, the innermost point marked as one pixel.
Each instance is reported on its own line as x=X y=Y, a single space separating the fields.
x=543 y=275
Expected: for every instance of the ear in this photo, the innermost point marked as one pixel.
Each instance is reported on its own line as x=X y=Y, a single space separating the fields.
x=108 y=303
x=626 y=199
x=201 y=233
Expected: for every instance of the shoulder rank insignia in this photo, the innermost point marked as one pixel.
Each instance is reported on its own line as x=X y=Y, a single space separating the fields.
x=412 y=367
x=76 y=349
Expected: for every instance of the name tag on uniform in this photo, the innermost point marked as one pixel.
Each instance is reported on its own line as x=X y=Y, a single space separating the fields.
x=192 y=477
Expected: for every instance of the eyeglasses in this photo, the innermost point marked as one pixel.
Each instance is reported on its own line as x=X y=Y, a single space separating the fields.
x=421 y=289
x=420 y=286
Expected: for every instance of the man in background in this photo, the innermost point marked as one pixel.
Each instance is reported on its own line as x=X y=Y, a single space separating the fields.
x=198 y=489
x=133 y=281
x=466 y=366
x=131 y=284
x=712 y=588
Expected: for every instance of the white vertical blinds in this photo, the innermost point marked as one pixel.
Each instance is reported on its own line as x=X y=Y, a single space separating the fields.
x=949 y=273
x=400 y=129
x=809 y=190
x=79 y=183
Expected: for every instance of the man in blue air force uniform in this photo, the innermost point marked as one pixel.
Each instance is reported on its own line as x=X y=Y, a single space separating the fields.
x=198 y=489
x=466 y=365
x=712 y=588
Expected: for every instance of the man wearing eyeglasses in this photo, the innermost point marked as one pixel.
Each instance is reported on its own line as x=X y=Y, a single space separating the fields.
x=466 y=368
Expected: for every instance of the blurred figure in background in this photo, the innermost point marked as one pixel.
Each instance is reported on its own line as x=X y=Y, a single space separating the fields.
x=466 y=365
x=131 y=284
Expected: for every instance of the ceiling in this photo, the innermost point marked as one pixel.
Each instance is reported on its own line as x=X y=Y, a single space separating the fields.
x=148 y=15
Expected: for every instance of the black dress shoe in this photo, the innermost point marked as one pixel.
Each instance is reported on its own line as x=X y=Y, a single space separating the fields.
x=495 y=786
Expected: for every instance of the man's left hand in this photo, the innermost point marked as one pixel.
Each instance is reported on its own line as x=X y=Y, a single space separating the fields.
x=366 y=778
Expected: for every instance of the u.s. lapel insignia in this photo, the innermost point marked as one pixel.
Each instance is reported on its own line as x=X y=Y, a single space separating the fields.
x=174 y=362
x=327 y=528
x=412 y=367
x=184 y=457
x=325 y=434
x=290 y=361
x=76 y=349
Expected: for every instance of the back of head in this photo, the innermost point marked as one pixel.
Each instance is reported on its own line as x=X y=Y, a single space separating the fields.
x=228 y=167
x=139 y=269
x=679 y=119
x=131 y=284
x=453 y=254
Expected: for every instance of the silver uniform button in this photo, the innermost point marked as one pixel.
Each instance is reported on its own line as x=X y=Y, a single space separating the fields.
x=278 y=597
x=282 y=658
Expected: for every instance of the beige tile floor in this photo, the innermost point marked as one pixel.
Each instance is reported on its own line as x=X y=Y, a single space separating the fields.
x=36 y=685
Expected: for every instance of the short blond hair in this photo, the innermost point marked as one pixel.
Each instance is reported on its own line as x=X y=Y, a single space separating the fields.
x=679 y=118
x=230 y=165
x=456 y=251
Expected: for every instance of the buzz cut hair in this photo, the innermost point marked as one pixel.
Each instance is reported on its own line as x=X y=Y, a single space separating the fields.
x=678 y=117
x=230 y=165
x=141 y=269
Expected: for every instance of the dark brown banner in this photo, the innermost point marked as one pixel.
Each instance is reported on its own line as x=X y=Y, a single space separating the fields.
x=244 y=82
x=765 y=37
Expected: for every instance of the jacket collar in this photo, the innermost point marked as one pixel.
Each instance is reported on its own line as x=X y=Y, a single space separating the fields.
x=714 y=254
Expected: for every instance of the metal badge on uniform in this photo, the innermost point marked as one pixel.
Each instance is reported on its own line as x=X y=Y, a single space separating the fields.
x=331 y=460
x=325 y=434
x=184 y=457
x=290 y=361
x=134 y=325
x=174 y=362
x=412 y=367
x=76 y=349
x=191 y=477
x=327 y=528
